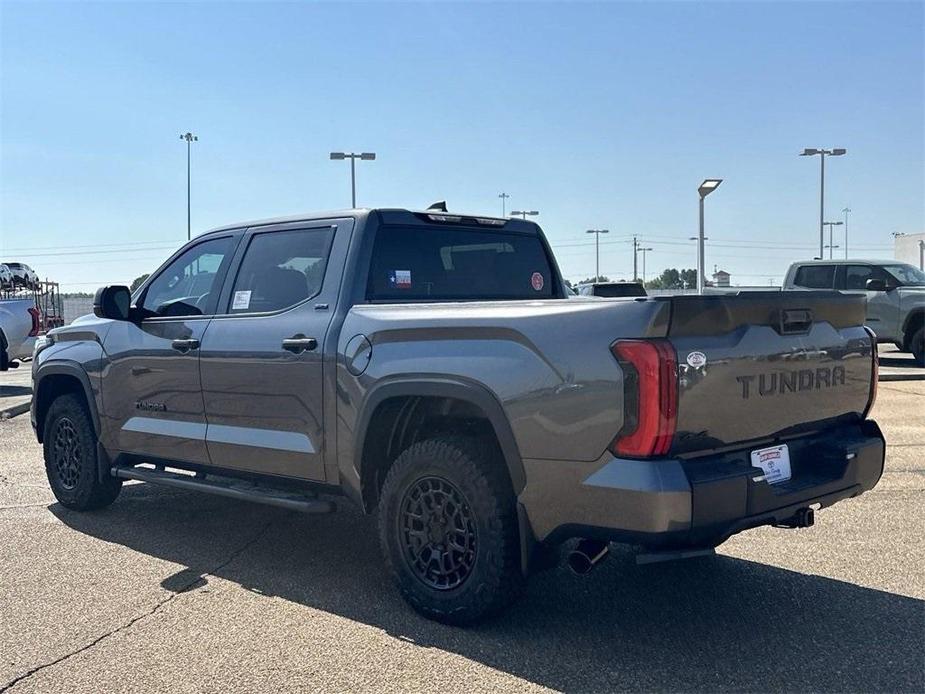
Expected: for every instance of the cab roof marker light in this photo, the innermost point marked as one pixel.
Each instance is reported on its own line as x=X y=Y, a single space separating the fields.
x=444 y=218
x=491 y=222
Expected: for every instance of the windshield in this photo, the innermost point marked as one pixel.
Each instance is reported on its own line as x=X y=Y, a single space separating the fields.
x=907 y=275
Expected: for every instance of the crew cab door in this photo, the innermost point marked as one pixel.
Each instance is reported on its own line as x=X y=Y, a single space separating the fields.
x=882 y=306
x=152 y=397
x=262 y=357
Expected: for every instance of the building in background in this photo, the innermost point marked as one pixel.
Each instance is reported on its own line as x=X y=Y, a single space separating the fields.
x=910 y=248
x=721 y=278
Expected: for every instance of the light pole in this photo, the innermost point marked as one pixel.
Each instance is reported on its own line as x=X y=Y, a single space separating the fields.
x=504 y=197
x=644 y=251
x=597 y=250
x=831 y=247
x=921 y=255
x=190 y=139
x=846 y=210
x=707 y=187
x=353 y=156
x=524 y=213
x=810 y=152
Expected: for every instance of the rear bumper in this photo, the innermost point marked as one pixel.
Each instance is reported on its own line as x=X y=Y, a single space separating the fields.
x=696 y=502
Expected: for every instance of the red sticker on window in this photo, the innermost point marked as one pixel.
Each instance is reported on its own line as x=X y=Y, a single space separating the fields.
x=536 y=281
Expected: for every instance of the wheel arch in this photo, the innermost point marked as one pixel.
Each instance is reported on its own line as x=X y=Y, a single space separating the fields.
x=913 y=322
x=56 y=378
x=382 y=411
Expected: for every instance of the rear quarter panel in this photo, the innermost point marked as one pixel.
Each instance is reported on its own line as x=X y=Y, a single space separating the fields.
x=547 y=363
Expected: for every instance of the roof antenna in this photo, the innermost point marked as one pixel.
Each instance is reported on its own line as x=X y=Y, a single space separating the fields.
x=439 y=206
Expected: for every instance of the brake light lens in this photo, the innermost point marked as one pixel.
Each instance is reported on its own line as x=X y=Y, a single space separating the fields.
x=874 y=374
x=650 y=371
x=36 y=323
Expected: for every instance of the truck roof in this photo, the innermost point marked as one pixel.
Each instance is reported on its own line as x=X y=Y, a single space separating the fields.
x=849 y=261
x=359 y=212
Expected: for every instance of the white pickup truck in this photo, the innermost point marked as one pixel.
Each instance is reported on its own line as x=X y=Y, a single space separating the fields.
x=19 y=324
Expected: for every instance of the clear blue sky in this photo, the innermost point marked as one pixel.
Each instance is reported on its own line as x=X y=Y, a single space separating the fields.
x=598 y=115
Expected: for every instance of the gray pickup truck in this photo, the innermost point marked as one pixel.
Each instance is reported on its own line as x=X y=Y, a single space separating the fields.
x=895 y=295
x=428 y=368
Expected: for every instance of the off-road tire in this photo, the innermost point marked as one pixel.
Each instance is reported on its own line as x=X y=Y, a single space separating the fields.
x=71 y=457
x=917 y=346
x=475 y=471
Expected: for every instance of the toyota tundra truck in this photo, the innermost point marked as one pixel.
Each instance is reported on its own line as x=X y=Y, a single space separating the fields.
x=428 y=368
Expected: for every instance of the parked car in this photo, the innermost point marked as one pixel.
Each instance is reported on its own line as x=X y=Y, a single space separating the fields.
x=424 y=366
x=23 y=276
x=895 y=295
x=19 y=325
x=6 y=277
x=612 y=290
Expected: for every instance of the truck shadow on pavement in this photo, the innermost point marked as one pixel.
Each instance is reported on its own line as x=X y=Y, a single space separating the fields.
x=702 y=625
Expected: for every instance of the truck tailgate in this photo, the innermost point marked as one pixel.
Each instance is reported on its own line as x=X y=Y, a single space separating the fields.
x=758 y=366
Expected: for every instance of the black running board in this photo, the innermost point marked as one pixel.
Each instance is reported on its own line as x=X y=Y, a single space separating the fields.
x=233 y=489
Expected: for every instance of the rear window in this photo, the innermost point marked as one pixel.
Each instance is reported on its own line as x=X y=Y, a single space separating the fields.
x=815 y=277
x=454 y=264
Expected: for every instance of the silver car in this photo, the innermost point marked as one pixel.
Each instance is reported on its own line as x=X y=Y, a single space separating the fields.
x=23 y=276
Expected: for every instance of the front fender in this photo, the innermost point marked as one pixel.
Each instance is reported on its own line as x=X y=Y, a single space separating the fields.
x=40 y=399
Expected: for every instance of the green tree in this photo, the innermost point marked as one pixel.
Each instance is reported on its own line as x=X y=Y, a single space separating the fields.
x=138 y=280
x=672 y=278
x=599 y=278
x=689 y=278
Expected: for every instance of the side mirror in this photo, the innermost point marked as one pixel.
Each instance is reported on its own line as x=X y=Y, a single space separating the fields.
x=112 y=302
x=875 y=285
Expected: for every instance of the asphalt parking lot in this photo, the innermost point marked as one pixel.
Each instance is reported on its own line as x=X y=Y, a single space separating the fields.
x=172 y=591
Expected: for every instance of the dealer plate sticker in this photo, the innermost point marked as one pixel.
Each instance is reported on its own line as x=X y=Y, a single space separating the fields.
x=774 y=461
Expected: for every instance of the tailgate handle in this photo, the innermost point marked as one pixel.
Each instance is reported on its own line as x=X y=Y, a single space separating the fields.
x=795 y=321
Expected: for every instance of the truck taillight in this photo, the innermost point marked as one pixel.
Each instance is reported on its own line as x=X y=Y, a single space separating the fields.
x=650 y=372
x=36 y=323
x=874 y=372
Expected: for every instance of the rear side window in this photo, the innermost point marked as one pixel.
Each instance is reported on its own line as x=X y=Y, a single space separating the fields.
x=856 y=276
x=281 y=269
x=457 y=264
x=815 y=277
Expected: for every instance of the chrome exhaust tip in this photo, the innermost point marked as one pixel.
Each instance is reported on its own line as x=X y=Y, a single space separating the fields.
x=587 y=555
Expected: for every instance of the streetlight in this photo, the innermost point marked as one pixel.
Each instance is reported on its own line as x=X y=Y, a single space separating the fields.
x=524 y=213
x=707 y=187
x=846 y=210
x=353 y=156
x=504 y=197
x=810 y=152
x=830 y=246
x=644 y=251
x=597 y=250
x=190 y=139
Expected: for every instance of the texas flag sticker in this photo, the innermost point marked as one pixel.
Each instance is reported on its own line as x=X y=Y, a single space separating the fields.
x=400 y=279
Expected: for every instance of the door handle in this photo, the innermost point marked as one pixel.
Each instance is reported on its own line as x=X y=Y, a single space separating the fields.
x=299 y=343
x=184 y=346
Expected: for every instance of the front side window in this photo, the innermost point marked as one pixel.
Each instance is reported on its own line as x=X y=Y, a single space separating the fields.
x=815 y=277
x=457 y=264
x=188 y=286
x=281 y=269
